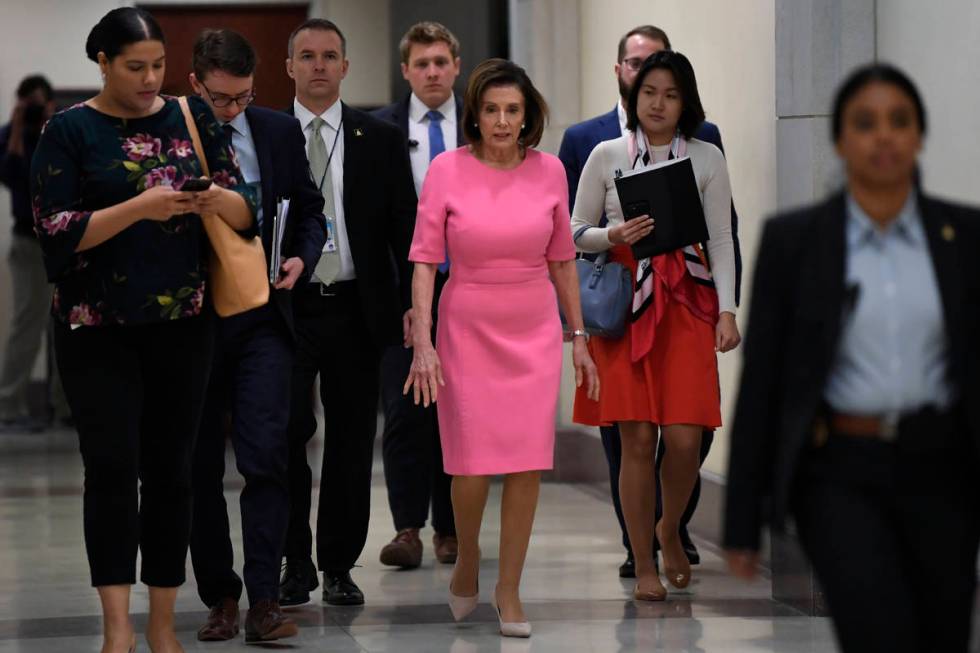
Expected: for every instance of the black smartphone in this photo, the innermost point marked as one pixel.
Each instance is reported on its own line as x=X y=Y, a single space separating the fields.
x=196 y=185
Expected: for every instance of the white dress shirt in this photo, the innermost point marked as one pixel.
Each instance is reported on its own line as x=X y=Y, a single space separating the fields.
x=248 y=159
x=621 y=112
x=328 y=132
x=418 y=131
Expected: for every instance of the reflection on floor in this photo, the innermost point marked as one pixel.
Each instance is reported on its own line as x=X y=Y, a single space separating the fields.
x=571 y=591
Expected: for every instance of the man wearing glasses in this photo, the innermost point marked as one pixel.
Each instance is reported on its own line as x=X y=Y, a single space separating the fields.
x=250 y=378
x=576 y=145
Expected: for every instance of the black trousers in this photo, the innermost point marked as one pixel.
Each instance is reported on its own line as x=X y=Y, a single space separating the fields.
x=250 y=384
x=136 y=394
x=614 y=454
x=412 y=452
x=334 y=343
x=892 y=531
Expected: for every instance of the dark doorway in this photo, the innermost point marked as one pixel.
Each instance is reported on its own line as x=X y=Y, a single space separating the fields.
x=267 y=27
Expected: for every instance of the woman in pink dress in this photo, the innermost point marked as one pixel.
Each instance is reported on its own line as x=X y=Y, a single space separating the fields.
x=499 y=209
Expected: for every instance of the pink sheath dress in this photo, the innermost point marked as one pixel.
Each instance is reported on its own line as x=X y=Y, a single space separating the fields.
x=499 y=335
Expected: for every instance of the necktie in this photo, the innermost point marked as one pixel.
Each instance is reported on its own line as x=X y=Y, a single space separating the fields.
x=437 y=145
x=328 y=267
x=228 y=130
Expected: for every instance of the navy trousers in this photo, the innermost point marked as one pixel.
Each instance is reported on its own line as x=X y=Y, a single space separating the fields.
x=248 y=399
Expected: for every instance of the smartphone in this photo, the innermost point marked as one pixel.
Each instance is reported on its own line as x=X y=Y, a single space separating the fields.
x=196 y=185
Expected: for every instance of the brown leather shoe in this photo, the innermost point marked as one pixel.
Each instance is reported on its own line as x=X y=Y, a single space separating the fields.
x=222 y=623
x=404 y=551
x=266 y=622
x=446 y=548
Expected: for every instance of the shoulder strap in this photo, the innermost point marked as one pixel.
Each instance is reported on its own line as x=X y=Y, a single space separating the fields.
x=195 y=135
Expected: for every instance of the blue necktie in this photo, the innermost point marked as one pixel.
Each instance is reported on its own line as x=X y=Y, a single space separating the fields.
x=437 y=145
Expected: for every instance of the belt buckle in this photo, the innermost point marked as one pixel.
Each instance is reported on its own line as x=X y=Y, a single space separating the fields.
x=324 y=292
x=888 y=429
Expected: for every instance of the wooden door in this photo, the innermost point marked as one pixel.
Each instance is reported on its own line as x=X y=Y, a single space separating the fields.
x=267 y=27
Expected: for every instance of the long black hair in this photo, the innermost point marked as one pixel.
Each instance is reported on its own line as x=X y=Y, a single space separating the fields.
x=692 y=113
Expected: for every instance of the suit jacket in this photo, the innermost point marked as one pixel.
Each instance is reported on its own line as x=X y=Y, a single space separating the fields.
x=379 y=209
x=285 y=173
x=580 y=139
x=794 y=330
x=397 y=114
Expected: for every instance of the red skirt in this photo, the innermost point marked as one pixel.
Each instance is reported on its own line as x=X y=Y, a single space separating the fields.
x=675 y=383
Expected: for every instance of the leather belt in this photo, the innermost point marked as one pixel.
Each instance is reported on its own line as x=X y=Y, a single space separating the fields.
x=335 y=289
x=883 y=428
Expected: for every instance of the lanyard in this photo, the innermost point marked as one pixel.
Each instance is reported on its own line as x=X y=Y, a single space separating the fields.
x=326 y=171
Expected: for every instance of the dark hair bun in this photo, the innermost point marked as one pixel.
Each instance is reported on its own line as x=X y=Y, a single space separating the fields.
x=93 y=44
x=121 y=27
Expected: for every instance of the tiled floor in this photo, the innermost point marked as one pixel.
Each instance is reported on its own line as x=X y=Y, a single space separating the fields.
x=571 y=592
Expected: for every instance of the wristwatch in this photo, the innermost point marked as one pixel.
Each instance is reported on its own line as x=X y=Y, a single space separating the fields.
x=581 y=332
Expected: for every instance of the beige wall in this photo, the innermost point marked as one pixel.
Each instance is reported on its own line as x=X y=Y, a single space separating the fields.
x=731 y=46
x=938 y=44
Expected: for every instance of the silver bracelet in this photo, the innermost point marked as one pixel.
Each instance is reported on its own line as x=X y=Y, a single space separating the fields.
x=581 y=332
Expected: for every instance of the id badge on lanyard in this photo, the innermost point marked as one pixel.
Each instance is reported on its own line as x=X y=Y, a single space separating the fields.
x=331 y=244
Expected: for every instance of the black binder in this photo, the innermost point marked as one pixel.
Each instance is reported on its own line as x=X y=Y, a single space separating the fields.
x=669 y=193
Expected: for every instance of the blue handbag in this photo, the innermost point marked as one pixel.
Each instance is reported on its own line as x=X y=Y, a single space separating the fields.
x=606 y=292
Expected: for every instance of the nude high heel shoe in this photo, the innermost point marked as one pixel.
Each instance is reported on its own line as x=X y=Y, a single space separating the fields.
x=462 y=606
x=510 y=628
x=679 y=576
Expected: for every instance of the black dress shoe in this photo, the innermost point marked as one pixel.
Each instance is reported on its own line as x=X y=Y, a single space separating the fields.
x=628 y=568
x=298 y=580
x=340 y=589
x=691 y=552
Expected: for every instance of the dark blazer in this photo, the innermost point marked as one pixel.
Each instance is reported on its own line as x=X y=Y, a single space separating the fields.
x=580 y=139
x=397 y=114
x=285 y=173
x=794 y=329
x=379 y=210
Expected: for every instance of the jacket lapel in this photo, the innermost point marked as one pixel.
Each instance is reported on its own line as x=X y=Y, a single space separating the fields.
x=460 y=136
x=822 y=291
x=609 y=126
x=263 y=152
x=355 y=159
x=401 y=119
x=941 y=234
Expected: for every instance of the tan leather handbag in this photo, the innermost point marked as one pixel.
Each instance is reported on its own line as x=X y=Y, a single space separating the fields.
x=236 y=273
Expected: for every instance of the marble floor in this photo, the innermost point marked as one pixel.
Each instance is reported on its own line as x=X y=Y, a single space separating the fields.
x=571 y=591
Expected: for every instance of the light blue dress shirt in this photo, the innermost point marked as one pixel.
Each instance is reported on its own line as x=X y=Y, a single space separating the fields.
x=248 y=159
x=893 y=353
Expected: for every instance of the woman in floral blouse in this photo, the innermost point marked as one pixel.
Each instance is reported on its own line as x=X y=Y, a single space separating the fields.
x=126 y=251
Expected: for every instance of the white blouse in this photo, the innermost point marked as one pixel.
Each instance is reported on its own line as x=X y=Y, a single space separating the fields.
x=597 y=195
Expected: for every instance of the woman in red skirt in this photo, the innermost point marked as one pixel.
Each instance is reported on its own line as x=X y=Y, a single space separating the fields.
x=662 y=372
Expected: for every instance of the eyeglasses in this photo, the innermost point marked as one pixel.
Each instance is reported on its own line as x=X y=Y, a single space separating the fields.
x=633 y=63
x=221 y=101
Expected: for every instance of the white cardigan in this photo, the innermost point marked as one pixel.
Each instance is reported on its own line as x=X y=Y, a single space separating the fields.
x=597 y=195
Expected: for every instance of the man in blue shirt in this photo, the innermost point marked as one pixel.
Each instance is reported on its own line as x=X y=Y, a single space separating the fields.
x=253 y=357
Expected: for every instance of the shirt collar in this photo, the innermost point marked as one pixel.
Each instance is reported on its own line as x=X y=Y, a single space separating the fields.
x=621 y=113
x=417 y=109
x=240 y=124
x=331 y=116
x=908 y=224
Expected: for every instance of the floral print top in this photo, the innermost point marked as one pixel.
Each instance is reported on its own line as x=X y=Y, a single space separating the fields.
x=87 y=160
